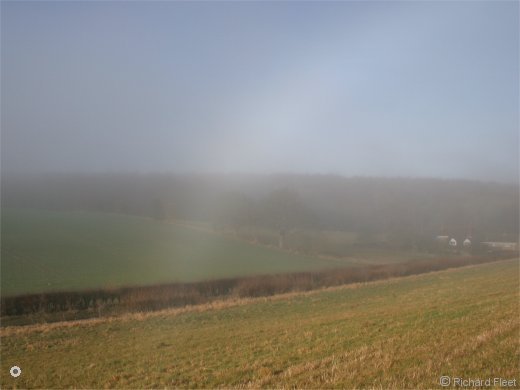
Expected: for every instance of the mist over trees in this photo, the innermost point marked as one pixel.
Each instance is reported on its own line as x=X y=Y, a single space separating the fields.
x=403 y=209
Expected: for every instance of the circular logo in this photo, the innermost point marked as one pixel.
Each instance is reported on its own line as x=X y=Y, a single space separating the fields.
x=445 y=381
x=15 y=371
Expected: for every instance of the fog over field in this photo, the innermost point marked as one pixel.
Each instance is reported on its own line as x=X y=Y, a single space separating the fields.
x=217 y=194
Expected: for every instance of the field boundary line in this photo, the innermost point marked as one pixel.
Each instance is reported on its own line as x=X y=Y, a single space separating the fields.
x=226 y=303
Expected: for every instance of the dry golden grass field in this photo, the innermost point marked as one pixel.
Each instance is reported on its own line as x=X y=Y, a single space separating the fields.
x=399 y=333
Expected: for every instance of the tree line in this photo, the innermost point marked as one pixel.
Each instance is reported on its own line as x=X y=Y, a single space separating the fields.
x=402 y=208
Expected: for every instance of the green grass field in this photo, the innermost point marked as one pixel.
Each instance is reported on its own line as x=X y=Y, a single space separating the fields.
x=399 y=333
x=48 y=251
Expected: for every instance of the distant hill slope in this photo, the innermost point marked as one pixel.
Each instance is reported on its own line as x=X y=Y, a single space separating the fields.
x=406 y=209
x=399 y=333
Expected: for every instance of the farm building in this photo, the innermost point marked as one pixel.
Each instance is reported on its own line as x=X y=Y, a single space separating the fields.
x=500 y=246
x=442 y=240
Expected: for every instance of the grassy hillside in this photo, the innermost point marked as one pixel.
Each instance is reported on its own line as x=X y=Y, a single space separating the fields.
x=46 y=251
x=400 y=333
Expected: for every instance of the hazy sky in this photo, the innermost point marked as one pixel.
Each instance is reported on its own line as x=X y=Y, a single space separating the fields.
x=391 y=89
